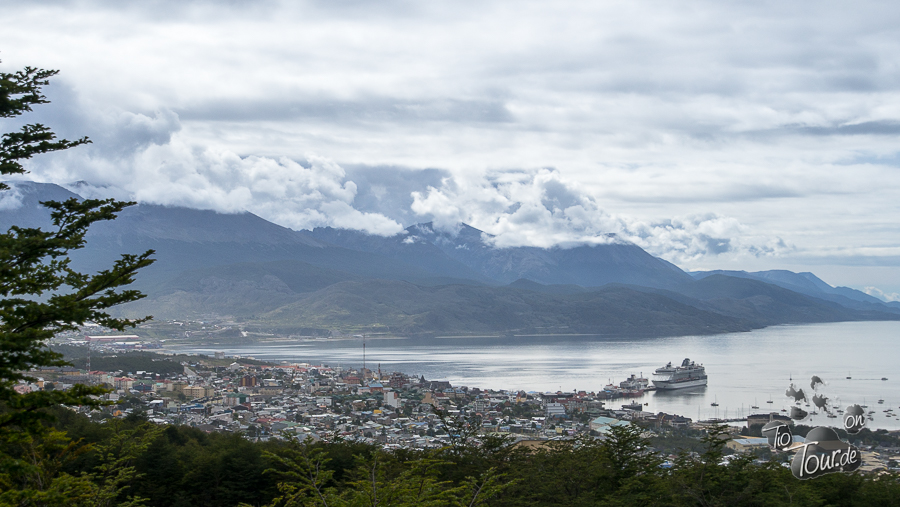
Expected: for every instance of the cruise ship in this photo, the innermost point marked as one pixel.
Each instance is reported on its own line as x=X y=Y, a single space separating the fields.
x=688 y=374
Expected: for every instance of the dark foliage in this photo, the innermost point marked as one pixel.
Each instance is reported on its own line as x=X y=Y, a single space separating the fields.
x=185 y=466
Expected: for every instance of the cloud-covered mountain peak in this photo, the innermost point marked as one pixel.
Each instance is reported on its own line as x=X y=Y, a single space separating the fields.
x=464 y=236
x=459 y=235
x=471 y=250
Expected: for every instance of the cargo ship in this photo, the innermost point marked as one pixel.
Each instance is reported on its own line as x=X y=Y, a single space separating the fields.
x=689 y=374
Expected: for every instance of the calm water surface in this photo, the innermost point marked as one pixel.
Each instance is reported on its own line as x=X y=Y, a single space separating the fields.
x=744 y=368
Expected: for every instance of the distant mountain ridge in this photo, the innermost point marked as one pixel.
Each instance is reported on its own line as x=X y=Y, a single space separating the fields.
x=188 y=239
x=404 y=308
x=428 y=281
x=588 y=266
x=809 y=284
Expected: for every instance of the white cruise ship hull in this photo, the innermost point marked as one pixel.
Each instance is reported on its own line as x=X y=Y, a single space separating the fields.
x=664 y=385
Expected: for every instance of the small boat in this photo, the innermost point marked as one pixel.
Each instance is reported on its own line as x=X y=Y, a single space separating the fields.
x=770 y=399
x=883 y=378
x=881 y=402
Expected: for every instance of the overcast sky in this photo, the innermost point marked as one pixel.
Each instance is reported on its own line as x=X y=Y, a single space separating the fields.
x=718 y=135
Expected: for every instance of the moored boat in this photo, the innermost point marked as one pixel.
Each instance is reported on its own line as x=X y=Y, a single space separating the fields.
x=634 y=383
x=689 y=374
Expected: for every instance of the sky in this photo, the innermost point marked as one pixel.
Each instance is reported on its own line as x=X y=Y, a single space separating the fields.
x=714 y=134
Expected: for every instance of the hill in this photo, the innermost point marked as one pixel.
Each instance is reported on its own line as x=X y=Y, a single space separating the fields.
x=811 y=285
x=405 y=308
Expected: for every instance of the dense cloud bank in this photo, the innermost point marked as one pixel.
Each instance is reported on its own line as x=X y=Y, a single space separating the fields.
x=145 y=157
x=710 y=133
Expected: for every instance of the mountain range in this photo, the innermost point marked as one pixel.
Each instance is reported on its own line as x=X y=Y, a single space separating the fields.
x=427 y=281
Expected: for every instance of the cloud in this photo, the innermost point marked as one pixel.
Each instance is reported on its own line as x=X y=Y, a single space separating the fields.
x=145 y=157
x=387 y=190
x=884 y=296
x=300 y=195
x=541 y=208
x=699 y=133
x=361 y=111
x=10 y=199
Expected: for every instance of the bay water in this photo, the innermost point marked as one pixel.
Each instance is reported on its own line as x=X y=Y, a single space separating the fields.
x=744 y=369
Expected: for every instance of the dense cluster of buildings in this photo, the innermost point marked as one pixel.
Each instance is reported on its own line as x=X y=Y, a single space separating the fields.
x=321 y=402
x=392 y=410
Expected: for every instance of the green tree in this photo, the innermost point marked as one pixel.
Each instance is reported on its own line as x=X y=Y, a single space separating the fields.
x=379 y=478
x=707 y=480
x=116 y=473
x=40 y=296
x=40 y=293
x=632 y=469
x=31 y=472
x=18 y=92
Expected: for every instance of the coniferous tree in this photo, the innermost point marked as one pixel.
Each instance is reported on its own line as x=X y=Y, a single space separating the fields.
x=40 y=293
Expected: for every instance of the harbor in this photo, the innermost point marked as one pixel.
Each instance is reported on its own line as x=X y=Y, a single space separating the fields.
x=741 y=368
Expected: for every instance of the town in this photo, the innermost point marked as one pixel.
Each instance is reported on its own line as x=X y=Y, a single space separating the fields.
x=319 y=401
x=393 y=410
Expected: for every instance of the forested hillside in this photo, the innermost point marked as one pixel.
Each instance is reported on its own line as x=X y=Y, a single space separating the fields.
x=134 y=461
